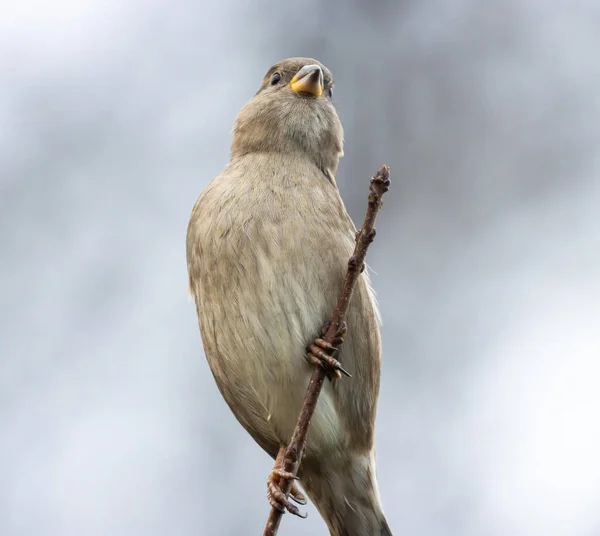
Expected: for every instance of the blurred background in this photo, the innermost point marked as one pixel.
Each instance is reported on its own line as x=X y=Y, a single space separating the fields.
x=113 y=118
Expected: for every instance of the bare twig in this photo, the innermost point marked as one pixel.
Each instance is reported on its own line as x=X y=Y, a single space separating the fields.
x=294 y=452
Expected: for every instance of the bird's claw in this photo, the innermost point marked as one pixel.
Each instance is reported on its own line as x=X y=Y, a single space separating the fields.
x=276 y=496
x=317 y=356
x=297 y=496
x=320 y=353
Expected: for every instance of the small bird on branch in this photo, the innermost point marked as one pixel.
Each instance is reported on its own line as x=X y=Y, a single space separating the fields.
x=268 y=245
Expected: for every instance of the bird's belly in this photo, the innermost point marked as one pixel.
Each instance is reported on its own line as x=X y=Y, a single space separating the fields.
x=259 y=315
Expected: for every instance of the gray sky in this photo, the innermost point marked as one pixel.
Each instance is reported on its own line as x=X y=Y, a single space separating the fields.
x=113 y=118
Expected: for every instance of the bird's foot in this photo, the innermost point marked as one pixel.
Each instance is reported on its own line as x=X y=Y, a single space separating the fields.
x=320 y=353
x=277 y=498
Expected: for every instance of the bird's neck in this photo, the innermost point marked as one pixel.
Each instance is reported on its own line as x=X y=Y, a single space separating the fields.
x=271 y=164
x=326 y=162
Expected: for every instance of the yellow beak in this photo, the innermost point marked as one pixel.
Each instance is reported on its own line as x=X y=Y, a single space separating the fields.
x=309 y=79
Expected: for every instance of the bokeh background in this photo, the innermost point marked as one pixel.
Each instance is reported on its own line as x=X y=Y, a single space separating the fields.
x=115 y=115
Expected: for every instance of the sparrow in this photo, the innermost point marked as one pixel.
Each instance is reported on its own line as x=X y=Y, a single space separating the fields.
x=268 y=244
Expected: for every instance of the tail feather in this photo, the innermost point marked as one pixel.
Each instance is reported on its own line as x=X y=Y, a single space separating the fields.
x=347 y=498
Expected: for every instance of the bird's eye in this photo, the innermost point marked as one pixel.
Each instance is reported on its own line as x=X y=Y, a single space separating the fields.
x=330 y=92
x=275 y=78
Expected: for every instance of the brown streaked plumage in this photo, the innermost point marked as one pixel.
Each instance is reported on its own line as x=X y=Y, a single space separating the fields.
x=267 y=248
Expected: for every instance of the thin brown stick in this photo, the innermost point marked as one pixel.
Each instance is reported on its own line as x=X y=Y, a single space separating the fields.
x=294 y=452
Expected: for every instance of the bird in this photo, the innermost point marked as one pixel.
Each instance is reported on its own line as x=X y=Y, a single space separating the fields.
x=267 y=248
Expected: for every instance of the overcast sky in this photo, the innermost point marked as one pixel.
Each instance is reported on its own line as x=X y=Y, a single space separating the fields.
x=113 y=118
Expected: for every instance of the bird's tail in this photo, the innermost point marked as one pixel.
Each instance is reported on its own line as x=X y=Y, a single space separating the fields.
x=347 y=499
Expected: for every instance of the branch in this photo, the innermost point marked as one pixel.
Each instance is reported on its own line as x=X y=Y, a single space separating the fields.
x=295 y=451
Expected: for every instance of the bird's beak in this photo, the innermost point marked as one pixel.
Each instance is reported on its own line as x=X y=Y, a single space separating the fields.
x=309 y=79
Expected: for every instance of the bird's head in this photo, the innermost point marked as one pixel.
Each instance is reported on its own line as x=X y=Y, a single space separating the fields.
x=292 y=112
